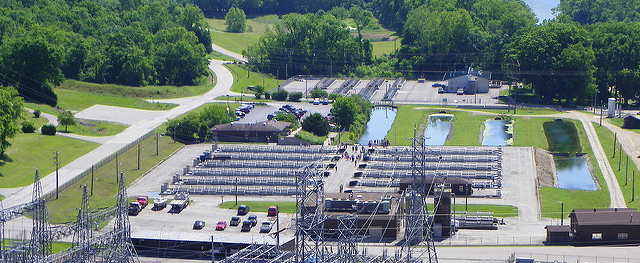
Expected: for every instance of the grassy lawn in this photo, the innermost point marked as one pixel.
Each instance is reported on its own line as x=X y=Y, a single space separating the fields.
x=528 y=131
x=466 y=128
x=407 y=117
x=310 y=137
x=574 y=199
x=237 y=42
x=624 y=176
x=382 y=48
x=94 y=128
x=147 y=92
x=522 y=111
x=498 y=210
x=65 y=208
x=241 y=81
x=259 y=206
x=34 y=151
x=240 y=100
x=74 y=100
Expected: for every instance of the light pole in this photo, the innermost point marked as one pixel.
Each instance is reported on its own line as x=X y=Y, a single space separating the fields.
x=561 y=212
x=57 y=163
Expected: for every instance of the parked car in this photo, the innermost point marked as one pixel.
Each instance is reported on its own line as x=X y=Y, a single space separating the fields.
x=240 y=114
x=272 y=211
x=253 y=219
x=198 y=224
x=134 y=208
x=440 y=90
x=325 y=102
x=460 y=92
x=246 y=226
x=243 y=210
x=316 y=101
x=265 y=227
x=272 y=116
x=143 y=200
x=221 y=225
x=235 y=221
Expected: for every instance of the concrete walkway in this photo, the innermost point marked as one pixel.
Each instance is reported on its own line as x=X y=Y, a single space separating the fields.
x=129 y=135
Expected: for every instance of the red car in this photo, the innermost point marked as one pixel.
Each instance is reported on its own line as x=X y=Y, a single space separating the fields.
x=221 y=225
x=143 y=200
x=273 y=211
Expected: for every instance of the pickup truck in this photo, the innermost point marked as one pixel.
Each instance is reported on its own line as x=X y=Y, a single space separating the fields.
x=143 y=200
x=180 y=202
x=134 y=208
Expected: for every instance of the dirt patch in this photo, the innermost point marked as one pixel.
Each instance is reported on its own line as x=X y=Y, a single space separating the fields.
x=545 y=168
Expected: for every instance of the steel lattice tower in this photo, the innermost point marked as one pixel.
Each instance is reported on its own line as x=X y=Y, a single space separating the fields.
x=418 y=234
x=121 y=249
x=310 y=218
x=40 y=245
x=348 y=239
x=84 y=231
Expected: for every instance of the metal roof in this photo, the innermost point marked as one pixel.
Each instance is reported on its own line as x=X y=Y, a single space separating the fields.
x=609 y=216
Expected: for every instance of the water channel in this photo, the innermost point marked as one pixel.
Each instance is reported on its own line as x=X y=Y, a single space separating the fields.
x=379 y=124
x=496 y=133
x=438 y=128
x=572 y=172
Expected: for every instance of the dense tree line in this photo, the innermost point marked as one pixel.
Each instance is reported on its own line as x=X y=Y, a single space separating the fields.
x=318 y=44
x=132 y=43
x=267 y=7
x=594 y=11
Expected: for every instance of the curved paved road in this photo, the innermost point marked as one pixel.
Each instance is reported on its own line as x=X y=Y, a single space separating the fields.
x=223 y=51
x=117 y=142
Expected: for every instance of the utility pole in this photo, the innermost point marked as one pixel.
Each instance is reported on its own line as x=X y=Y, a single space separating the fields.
x=92 y=179
x=157 y=135
x=615 y=139
x=277 y=226
x=633 y=186
x=138 y=156
x=600 y=116
x=57 y=179
x=236 y=191
x=619 y=157
x=117 y=171
x=561 y=213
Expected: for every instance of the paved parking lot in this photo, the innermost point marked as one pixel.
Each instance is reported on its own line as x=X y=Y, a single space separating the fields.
x=259 y=113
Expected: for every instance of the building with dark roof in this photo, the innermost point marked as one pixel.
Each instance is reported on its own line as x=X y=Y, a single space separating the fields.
x=558 y=234
x=267 y=131
x=631 y=122
x=605 y=226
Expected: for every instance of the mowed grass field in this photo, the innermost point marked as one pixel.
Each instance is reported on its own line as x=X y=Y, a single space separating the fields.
x=33 y=151
x=242 y=80
x=105 y=186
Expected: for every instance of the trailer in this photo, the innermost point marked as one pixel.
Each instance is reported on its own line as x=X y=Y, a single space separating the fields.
x=180 y=202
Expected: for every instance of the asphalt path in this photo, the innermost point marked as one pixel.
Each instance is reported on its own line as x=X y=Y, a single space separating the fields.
x=223 y=51
x=129 y=135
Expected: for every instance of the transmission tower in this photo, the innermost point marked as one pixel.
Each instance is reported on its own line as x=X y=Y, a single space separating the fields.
x=84 y=231
x=418 y=243
x=310 y=218
x=40 y=246
x=120 y=248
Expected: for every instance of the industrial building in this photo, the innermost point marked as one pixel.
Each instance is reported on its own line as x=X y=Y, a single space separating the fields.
x=471 y=81
x=605 y=226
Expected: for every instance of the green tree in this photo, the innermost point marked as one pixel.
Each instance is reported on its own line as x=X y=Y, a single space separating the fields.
x=346 y=111
x=48 y=129
x=557 y=60
x=33 y=66
x=27 y=127
x=180 y=58
x=10 y=116
x=236 y=20
x=66 y=118
x=316 y=124
x=318 y=93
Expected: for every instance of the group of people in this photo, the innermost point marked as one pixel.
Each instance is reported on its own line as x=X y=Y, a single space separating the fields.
x=383 y=143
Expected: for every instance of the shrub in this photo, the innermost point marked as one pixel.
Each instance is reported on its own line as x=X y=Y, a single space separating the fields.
x=27 y=127
x=37 y=113
x=307 y=136
x=48 y=129
x=318 y=93
x=295 y=96
x=280 y=95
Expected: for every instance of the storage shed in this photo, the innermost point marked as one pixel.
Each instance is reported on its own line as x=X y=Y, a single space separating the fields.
x=558 y=234
x=605 y=226
x=267 y=131
x=631 y=122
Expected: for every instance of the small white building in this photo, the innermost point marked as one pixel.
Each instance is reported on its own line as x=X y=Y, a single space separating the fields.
x=472 y=81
